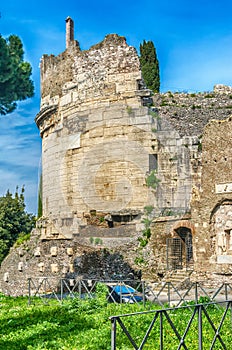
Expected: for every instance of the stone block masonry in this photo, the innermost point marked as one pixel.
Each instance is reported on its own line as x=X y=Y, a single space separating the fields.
x=96 y=134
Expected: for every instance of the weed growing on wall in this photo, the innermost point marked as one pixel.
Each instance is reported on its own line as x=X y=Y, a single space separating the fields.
x=146 y=221
x=152 y=180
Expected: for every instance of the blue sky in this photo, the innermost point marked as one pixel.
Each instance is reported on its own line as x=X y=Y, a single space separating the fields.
x=193 y=40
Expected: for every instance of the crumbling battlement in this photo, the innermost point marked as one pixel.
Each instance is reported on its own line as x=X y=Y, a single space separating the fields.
x=108 y=71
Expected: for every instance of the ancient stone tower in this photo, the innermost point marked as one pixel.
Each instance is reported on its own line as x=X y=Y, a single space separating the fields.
x=96 y=134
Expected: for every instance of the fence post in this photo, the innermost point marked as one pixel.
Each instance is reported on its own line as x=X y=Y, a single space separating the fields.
x=120 y=283
x=161 y=331
x=169 y=296
x=199 y=327
x=29 y=291
x=226 y=291
x=61 y=289
x=79 y=287
x=113 y=333
x=196 y=293
x=143 y=289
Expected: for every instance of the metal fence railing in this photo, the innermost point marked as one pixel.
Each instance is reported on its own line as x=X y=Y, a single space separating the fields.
x=167 y=295
x=163 y=318
x=170 y=294
x=132 y=291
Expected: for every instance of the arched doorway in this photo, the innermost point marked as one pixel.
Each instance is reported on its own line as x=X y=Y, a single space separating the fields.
x=180 y=248
x=185 y=234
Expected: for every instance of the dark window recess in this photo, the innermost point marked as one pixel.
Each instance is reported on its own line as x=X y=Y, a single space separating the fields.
x=153 y=165
x=123 y=218
x=159 y=125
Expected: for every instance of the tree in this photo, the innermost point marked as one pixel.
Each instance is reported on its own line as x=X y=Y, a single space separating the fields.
x=14 y=221
x=150 y=66
x=15 y=82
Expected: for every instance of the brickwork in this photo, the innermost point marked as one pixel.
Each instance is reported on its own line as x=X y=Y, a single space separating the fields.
x=211 y=212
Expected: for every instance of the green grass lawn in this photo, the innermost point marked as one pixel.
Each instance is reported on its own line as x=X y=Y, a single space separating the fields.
x=84 y=324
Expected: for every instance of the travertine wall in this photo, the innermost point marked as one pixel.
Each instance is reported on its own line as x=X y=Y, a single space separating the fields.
x=96 y=135
x=212 y=210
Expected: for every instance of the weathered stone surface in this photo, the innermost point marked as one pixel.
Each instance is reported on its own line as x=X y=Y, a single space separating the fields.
x=212 y=210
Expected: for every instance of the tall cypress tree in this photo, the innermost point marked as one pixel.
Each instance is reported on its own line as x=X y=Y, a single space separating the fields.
x=150 y=66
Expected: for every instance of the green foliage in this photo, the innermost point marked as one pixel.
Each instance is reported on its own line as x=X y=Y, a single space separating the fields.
x=98 y=241
x=164 y=103
x=23 y=237
x=15 y=222
x=174 y=158
x=90 y=303
x=150 y=66
x=129 y=110
x=66 y=327
x=209 y=96
x=168 y=212
x=139 y=260
x=199 y=146
x=152 y=180
x=153 y=114
x=148 y=209
x=143 y=241
x=147 y=222
x=15 y=82
x=196 y=107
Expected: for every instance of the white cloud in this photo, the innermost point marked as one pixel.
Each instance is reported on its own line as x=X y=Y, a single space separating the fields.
x=20 y=153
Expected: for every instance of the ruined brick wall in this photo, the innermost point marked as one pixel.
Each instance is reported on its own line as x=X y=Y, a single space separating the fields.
x=188 y=113
x=211 y=211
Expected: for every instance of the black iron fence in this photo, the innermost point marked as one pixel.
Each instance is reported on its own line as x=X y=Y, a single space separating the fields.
x=131 y=291
x=127 y=291
x=206 y=329
x=170 y=294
